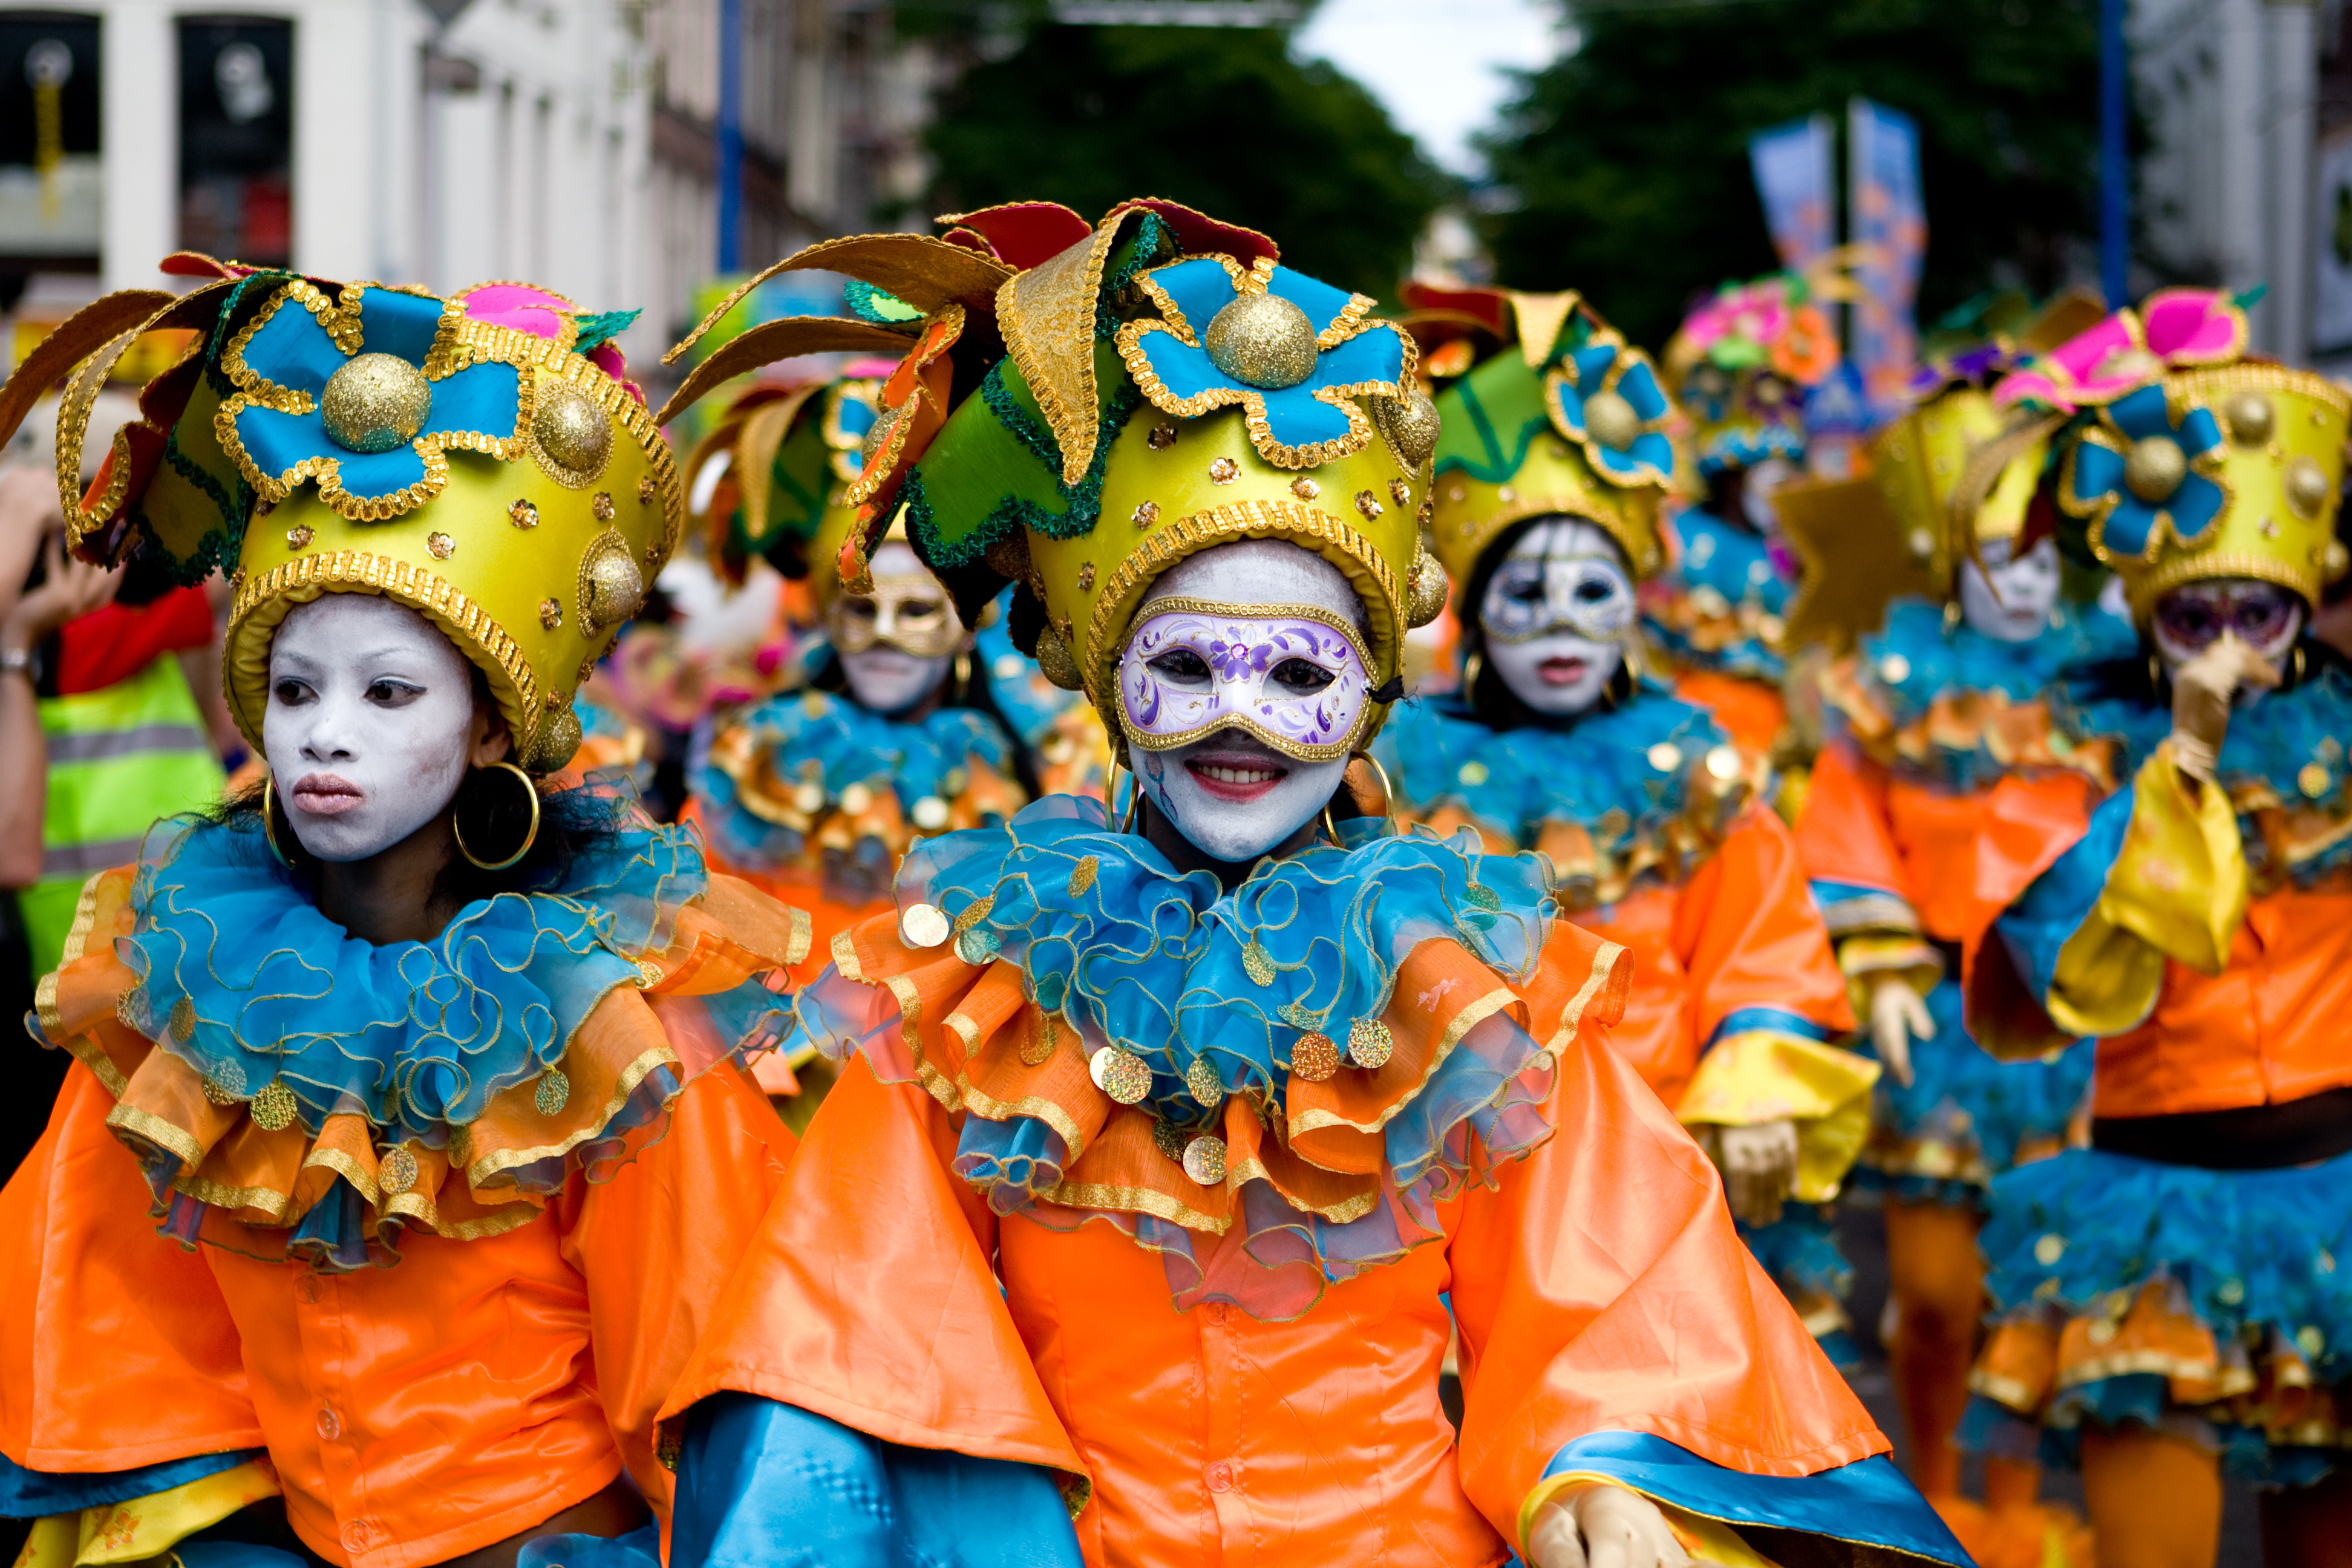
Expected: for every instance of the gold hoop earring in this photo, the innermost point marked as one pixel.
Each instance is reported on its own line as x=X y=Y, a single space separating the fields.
x=1134 y=793
x=1471 y=669
x=2296 y=680
x=269 y=820
x=528 y=838
x=2155 y=675
x=962 y=678
x=1388 y=799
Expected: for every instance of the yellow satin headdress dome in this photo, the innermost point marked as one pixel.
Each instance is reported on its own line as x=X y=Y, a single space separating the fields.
x=1567 y=418
x=1162 y=385
x=479 y=459
x=2183 y=459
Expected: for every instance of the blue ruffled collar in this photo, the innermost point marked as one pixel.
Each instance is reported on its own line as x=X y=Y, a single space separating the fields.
x=242 y=977
x=1917 y=658
x=2287 y=748
x=1175 y=969
x=837 y=744
x=1723 y=577
x=1920 y=659
x=1603 y=773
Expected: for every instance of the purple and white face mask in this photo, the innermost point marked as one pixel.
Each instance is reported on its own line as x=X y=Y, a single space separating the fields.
x=1295 y=676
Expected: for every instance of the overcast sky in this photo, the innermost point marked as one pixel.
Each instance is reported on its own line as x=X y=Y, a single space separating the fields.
x=1438 y=65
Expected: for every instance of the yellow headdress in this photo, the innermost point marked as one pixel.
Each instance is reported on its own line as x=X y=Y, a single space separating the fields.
x=1574 y=422
x=479 y=458
x=2185 y=459
x=1162 y=387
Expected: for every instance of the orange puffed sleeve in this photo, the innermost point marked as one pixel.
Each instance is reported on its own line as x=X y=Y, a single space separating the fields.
x=1749 y=935
x=1600 y=1287
x=116 y=1348
x=2028 y=824
x=658 y=1242
x=896 y=1324
x=1843 y=834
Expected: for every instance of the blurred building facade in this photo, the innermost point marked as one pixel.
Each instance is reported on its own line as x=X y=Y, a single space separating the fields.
x=2231 y=93
x=573 y=143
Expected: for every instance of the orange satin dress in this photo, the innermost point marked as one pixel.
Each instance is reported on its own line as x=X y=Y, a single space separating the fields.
x=507 y=1364
x=1739 y=932
x=1597 y=1284
x=2267 y=1029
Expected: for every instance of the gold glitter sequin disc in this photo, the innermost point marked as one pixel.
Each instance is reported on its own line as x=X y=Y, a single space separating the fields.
x=1370 y=1044
x=1120 y=1074
x=1314 y=1057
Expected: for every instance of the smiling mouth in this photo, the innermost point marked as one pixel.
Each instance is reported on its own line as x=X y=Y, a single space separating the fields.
x=326 y=794
x=1561 y=671
x=1236 y=779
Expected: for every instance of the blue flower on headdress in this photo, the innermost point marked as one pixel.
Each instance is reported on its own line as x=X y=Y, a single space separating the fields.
x=364 y=394
x=1294 y=352
x=1607 y=399
x=2142 y=474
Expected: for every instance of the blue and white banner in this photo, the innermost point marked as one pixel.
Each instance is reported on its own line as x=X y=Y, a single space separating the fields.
x=1796 y=182
x=1887 y=222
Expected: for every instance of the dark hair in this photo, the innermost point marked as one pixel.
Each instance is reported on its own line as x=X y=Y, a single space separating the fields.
x=1489 y=696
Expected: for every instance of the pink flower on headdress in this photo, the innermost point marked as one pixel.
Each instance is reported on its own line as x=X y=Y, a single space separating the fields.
x=2130 y=349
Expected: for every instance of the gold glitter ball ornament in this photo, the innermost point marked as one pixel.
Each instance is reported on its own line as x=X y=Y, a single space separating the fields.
x=1262 y=341
x=1412 y=423
x=273 y=1109
x=1370 y=1044
x=1610 y=420
x=1119 y=1074
x=1314 y=1057
x=1054 y=660
x=2252 y=419
x=553 y=1093
x=1426 y=589
x=2306 y=487
x=612 y=589
x=572 y=431
x=375 y=403
x=1204 y=1161
x=2154 y=468
x=557 y=742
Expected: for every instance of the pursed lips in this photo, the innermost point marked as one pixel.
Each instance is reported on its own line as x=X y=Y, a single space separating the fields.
x=326 y=794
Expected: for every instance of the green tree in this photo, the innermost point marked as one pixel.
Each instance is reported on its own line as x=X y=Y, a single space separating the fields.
x=1627 y=158
x=1223 y=120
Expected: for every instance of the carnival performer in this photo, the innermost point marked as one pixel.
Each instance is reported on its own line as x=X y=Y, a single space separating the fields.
x=816 y=794
x=1554 y=457
x=1251 y=1059
x=2171 y=1299
x=1741 y=367
x=406 y=1142
x=1948 y=701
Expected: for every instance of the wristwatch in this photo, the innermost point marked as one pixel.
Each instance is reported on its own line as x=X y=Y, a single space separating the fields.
x=17 y=661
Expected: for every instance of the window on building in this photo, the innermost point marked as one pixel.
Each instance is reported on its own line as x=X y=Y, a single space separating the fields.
x=236 y=138
x=52 y=213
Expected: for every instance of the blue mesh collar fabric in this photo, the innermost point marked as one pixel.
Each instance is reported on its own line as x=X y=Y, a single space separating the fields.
x=1599 y=772
x=832 y=740
x=243 y=978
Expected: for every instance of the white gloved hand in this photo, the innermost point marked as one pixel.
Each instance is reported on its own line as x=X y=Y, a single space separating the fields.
x=1759 y=1165
x=2202 y=691
x=1604 y=1527
x=1898 y=1016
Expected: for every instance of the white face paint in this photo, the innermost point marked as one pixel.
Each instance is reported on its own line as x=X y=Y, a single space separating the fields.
x=883 y=675
x=1552 y=612
x=369 y=725
x=1232 y=795
x=2009 y=598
